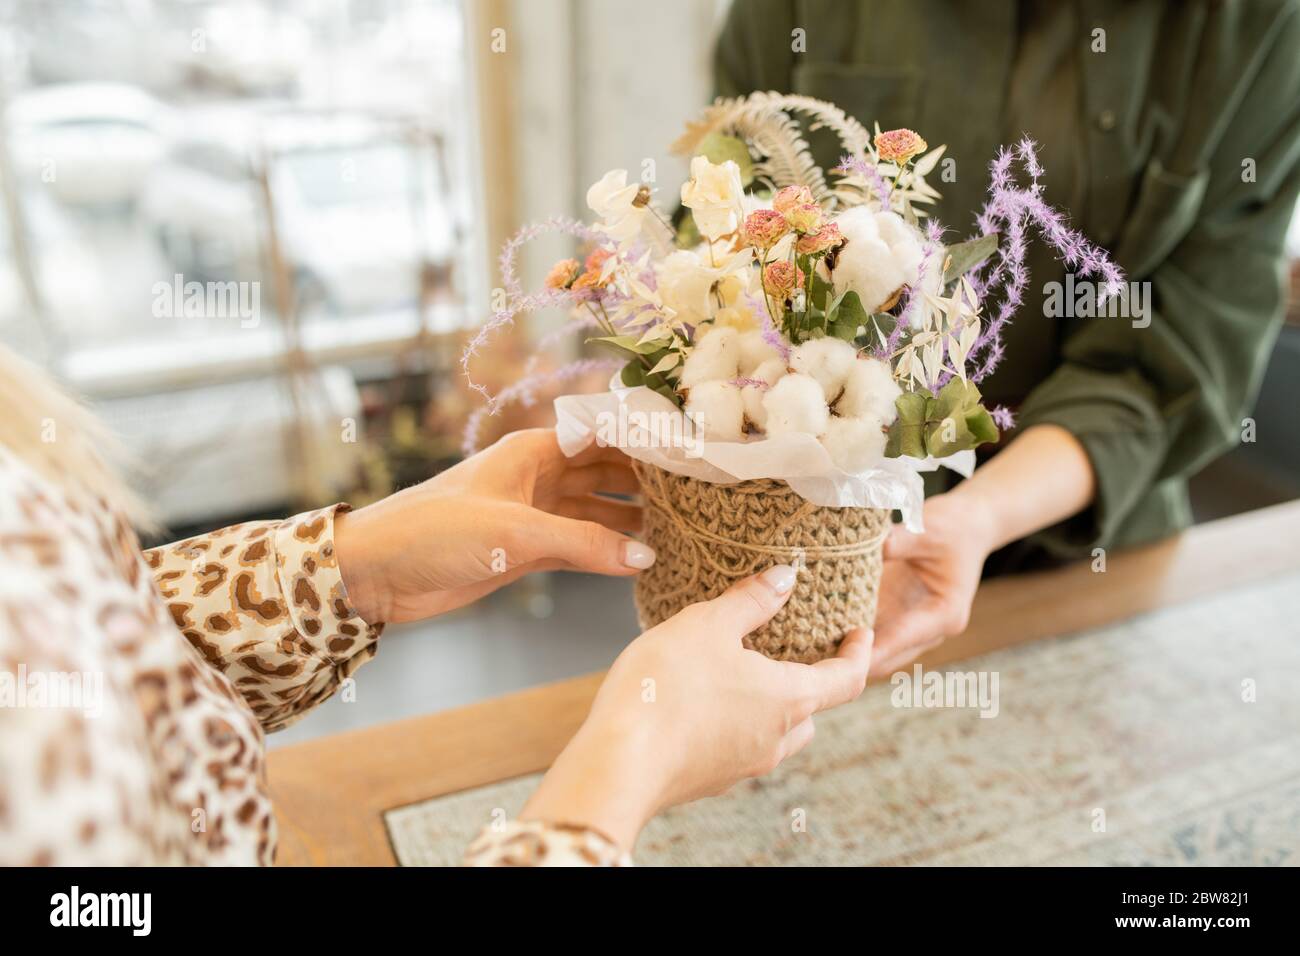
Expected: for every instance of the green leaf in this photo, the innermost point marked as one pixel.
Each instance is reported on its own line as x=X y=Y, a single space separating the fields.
x=981 y=425
x=844 y=330
x=912 y=405
x=964 y=256
x=957 y=421
x=719 y=148
x=845 y=316
x=847 y=307
x=629 y=345
x=955 y=398
x=940 y=425
x=947 y=436
x=633 y=374
x=821 y=289
x=907 y=434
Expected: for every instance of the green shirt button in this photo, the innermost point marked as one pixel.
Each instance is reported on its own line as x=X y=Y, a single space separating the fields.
x=1106 y=120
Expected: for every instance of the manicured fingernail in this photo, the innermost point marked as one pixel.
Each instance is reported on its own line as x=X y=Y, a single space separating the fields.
x=780 y=578
x=637 y=554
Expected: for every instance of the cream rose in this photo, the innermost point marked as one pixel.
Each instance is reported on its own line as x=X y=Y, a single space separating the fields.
x=714 y=197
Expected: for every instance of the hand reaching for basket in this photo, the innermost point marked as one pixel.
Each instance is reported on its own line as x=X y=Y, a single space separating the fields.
x=928 y=583
x=686 y=711
x=929 y=580
x=516 y=507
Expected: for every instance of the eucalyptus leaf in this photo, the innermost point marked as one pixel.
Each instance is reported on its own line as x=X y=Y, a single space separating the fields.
x=964 y=256
x=981 y=425
x=844 y=330
x=905 y=440
x=947 y=436
x=629 y=344
x=719 y=148
x=907 y=434
x=821 y=289
x=955 y=398
x=633 y=374
x=848 y=308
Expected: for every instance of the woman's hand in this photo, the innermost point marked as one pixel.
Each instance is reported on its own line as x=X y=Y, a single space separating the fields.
x=929 y=581
x=1042 y=477
x=686 y=711
x=516 y=507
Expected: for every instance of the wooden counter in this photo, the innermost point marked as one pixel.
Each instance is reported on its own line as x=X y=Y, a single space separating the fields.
x=331 y=793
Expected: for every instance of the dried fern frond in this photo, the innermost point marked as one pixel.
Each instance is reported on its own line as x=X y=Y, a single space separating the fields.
x=853 y=136
x=767 y=123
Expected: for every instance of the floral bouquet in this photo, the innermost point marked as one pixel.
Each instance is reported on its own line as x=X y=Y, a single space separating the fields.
x=792 y=357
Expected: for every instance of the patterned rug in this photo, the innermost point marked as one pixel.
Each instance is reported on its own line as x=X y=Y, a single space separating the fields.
x=1170 y=739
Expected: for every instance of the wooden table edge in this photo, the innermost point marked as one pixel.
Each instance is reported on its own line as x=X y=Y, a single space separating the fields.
x=331 y=794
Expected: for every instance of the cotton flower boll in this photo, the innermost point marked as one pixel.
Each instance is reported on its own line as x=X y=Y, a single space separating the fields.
x=865 y=264
x=716 y=357
x=755 y=351
x=854 y=444
x=718 y=408
x=903 y=241
x=869 y=390
x=796 y=403
x=770 y=372
x=858 y=223
x=828 y=359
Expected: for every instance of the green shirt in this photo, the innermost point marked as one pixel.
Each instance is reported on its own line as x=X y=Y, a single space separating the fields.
x=1171 y=137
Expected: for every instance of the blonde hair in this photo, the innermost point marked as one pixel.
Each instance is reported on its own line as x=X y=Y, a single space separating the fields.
x=58 y=437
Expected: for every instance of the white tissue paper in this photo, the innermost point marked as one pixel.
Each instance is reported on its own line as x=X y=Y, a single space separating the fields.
x=650 y=428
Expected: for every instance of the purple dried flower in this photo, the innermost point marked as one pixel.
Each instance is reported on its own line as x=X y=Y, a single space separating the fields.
x=524 y=392
x=770 y=335
x=1002 y=417
x=1009 y=210
x=867 y=170
x=516 y=302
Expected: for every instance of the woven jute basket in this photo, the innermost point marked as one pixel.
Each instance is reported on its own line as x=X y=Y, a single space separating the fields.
x=707 y=536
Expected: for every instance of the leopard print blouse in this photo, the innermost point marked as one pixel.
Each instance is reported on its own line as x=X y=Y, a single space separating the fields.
x=135 y=686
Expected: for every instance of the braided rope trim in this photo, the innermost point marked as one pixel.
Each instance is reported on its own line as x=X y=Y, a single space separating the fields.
x=707 y=536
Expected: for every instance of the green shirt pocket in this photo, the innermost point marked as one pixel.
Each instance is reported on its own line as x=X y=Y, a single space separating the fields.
x=1163 y=214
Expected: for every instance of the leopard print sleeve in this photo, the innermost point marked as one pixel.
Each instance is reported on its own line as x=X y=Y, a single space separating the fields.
x=537 y=843
x=264 y=603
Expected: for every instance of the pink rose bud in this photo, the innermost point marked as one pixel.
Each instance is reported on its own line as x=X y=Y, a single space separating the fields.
x=781 y=278
x=899 y=145
x=765 y=228
x=805 y=218
x=820 y=242
x=596 y=261
x=562 y=274
x=790 y=197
